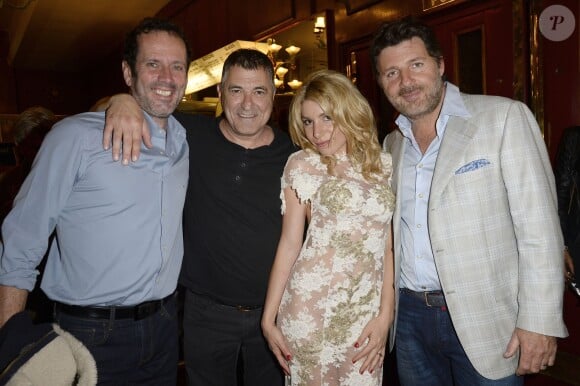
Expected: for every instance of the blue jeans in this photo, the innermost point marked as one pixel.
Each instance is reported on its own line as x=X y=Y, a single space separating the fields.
x=223 y=344
x=127 y=351
x=429 y=352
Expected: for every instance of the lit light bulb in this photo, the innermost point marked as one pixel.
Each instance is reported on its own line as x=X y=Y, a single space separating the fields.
x=295 y=84
x=292 y=50
x=281 y=71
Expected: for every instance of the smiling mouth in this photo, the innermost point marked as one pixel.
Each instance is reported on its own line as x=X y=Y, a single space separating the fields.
x=163 y=93
x=410 y=94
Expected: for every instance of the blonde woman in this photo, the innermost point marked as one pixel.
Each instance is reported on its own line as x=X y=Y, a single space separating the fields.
x=330 y=298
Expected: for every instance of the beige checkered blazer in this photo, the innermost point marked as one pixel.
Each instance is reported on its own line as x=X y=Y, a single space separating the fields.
x=494 y=229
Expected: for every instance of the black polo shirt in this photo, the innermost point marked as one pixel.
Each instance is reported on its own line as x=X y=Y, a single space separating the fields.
x=232 y=219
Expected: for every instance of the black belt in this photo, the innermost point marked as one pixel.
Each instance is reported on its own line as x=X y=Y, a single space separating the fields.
x=242 y=308
x=430 y=298
x=137 y=312
x=238 y=307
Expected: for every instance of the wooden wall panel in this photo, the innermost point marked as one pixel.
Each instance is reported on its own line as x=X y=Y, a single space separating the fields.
x=63 y=93
x=267 y=16
x=206 y=26
x=561 y=79
x=366 y=21
x=499 y=51
x=7 y=88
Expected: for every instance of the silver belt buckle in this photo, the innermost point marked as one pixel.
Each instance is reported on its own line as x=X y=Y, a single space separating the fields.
x=425 y=294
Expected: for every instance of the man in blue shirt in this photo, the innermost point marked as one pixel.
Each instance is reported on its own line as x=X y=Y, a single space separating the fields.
x=114 y=263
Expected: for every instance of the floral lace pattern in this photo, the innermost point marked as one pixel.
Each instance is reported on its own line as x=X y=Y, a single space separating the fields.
x=335 y=285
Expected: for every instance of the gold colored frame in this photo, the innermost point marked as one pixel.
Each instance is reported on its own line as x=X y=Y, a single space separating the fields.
x=536 y=64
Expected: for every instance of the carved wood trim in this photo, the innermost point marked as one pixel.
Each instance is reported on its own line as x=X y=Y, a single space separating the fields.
x=286 y=19
x=353 y=6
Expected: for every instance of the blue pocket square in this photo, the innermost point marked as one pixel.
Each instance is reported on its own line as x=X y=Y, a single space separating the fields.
x=473 y=165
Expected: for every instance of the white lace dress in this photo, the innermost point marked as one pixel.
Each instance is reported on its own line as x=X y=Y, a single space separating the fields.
x=335 y=285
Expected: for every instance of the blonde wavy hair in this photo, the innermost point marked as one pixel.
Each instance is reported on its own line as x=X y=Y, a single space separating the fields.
x=351 y=114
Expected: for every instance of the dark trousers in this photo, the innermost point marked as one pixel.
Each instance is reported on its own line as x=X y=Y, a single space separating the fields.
x=429 y=352
x=224 y=346
x=127 y=351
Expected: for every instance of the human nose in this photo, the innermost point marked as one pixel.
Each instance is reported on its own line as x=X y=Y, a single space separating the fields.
x=315 y=130
x=165 y=73
x=405 y=77
x=246 y=100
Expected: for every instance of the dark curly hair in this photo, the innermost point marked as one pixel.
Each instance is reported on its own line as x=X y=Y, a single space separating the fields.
x=394 y=32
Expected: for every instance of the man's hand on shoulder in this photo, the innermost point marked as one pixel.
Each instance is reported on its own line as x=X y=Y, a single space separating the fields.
x=125 y=126
x=537 y=351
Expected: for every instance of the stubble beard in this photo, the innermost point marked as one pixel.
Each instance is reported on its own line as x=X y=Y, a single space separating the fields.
x=418 y=109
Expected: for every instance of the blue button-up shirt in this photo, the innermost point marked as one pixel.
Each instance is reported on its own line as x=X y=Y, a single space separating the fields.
x=418 y=271
x=118 y=228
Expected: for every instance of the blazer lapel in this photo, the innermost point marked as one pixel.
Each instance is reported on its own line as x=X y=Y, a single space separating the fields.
x=458 y=134
x=397 y=152
x=397 y=149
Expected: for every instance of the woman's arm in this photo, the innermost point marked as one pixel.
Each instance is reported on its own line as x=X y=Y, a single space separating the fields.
x=288 y=249
x=376 y=331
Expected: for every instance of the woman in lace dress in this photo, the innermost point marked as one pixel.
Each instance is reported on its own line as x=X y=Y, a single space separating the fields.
x=330 y=298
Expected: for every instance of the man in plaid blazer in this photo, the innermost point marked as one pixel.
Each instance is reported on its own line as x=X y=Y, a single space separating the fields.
x=478 y=248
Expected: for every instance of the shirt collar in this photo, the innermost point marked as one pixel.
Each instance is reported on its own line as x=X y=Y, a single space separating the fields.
x=173 y=135
x=452 y=106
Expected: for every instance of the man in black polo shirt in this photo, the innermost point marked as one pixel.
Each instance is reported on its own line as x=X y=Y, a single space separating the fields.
x=232 y=223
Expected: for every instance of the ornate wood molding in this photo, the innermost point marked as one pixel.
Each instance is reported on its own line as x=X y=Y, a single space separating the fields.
x=353 y=6
x=536 y=64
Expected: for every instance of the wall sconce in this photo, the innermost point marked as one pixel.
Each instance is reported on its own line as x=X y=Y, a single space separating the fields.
x=319 y=25
x=281 y=67
x=319 y=28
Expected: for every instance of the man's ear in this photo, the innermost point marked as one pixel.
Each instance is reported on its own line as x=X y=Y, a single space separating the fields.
x=127 y=73
x=441 y=66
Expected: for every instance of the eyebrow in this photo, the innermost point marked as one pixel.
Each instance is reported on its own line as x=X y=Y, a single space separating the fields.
x=232 y=86
x=407 y=62
x=321 y=115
